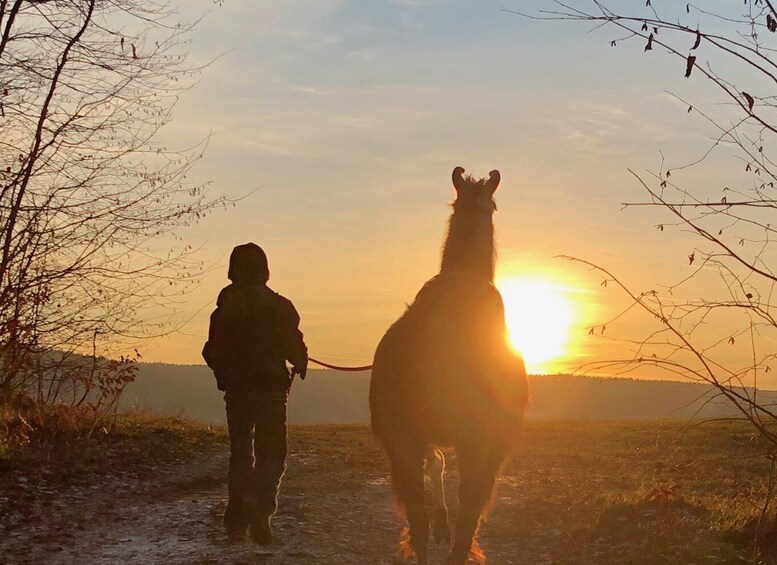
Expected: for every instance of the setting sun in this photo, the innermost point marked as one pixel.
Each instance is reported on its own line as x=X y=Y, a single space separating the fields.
x=539 y=317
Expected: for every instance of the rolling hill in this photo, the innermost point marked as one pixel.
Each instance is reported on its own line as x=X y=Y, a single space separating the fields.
x=327 y=397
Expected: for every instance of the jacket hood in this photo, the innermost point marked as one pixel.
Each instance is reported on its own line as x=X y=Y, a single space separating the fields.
x=248 y=265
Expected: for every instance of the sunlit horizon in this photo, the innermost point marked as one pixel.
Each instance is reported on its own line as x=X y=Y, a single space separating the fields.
x=539 y=318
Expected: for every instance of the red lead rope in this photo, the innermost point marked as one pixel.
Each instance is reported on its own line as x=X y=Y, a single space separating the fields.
x=339 y=368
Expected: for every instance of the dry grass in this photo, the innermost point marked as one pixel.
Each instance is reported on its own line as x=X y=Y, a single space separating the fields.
x=65 y=442
x=591 y=492
x=644 y=492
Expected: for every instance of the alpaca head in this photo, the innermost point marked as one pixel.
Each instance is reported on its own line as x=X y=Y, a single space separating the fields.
x=469 y=246
x=473 y=195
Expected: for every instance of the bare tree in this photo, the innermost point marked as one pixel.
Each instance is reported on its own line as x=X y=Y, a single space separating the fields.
x=89 y=202
x=716 y=324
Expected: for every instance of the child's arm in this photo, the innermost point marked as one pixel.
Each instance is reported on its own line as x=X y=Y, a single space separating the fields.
x=295 y=351
x=210 y=351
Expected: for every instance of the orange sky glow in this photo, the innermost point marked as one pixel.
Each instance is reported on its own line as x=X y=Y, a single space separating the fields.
x=346 y=121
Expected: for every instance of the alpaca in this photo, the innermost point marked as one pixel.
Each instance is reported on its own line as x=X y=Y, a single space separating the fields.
x=445 y=376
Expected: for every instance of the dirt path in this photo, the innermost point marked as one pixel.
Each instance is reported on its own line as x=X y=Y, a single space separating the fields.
x=176 y=518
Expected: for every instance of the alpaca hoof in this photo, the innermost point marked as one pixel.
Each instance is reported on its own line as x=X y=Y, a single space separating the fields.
x=440 y=530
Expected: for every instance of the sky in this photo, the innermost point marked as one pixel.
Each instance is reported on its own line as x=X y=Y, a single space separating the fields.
x=346 y=118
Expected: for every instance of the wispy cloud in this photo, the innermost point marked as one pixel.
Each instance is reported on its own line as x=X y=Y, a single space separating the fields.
x=351 y=114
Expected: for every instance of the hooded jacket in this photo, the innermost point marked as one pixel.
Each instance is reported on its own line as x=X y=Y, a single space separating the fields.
x=254 y=330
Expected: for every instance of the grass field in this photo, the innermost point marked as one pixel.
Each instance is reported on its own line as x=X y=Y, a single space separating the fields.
x=575 y=492
x=583 y=492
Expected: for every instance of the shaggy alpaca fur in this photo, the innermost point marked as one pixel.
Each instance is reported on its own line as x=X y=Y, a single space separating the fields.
x=444 y=375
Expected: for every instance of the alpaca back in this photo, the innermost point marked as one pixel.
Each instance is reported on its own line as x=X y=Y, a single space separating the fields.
x=440 y=364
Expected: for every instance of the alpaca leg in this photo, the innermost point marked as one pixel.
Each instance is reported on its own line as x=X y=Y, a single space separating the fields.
x=434 y=468
x=408 y=481
x=476 y=483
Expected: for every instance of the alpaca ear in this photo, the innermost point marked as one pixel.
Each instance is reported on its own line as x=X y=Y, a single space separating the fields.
x=458 y=179
x=493 y=181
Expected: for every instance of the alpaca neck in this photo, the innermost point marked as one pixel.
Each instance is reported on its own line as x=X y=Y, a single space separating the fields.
x=469 y=247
